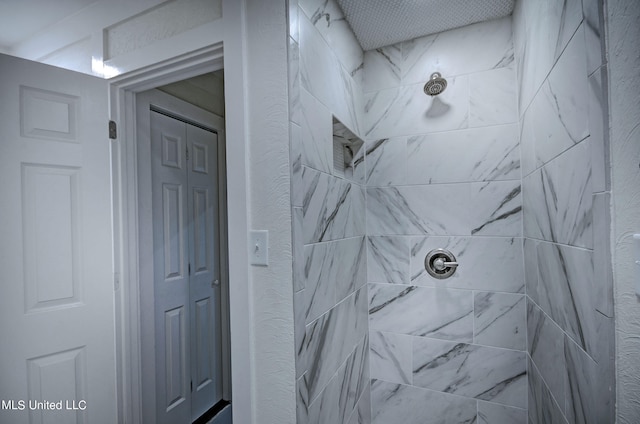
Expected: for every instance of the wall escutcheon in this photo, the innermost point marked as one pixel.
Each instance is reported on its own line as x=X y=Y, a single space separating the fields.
x=440 y=263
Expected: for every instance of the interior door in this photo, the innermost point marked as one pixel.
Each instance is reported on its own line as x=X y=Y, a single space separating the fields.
x=204 y=281
x=57 y=303
x=186 y=269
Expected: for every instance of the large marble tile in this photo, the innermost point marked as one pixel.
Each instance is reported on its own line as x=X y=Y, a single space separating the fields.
x=382 y=68
x=602 y=267
x=324 y=409
x=298 y=249
x=406 y=110
x=570 y=179
x=418 y=210
x=328 y=342
x=302 y=406
x=390 y=356
x=294 y=28
x=587 y=394
x=477 y=257
x=297 y=184
x=527 y=142
x=560 y=202
x=490 y=153
x=593 y=33
x=421 y=311
x=492 y=413
x=317 y=141
x=339 y=398
x=536 y=217
x=566 y=292
x=327 y=207
x=358 y=212
x=397 y=403
x=488 y=209
x=386 y=161
x=495 y=208
x=323 y=76
x=550 y=24
x=598 y=136
x=484 y=373
x=473 y=48
x=388 y=259
x=546 y=348
x=299 y=328
x=542 y=407
x=519 y=42
x=561 y=106
x=333 y=270
x=362 y=413
x=493 y=98
x=500 y=320
x=530 y=252
x=294 y=81
x=328 y=19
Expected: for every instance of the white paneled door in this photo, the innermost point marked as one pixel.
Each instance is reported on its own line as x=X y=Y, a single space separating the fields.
x=57 y=354
x=186 y=269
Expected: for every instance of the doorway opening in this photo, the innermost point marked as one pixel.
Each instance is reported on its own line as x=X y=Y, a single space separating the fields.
x=131 y=179
x=183 y=243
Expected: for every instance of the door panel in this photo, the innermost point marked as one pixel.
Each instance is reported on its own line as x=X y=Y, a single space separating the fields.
x=206 y=366
x=186 y=240
x=171 y=279
x=56 y=310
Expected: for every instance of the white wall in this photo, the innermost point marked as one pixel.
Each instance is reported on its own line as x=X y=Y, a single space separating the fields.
x=623 y=31
x=270 y=208
x=254 y=34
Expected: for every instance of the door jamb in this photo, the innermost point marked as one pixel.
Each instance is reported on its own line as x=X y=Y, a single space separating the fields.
x=126 y=229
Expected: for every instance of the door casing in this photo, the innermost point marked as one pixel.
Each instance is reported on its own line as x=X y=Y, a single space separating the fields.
x=129 y=269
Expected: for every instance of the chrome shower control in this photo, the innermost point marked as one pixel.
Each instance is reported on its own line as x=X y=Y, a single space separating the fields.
x=440 y=263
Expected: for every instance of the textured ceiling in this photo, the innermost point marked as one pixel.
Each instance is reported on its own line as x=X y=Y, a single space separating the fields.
x=378 y=23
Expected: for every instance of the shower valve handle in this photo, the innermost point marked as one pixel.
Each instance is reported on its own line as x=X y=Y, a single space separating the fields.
x=440 y=264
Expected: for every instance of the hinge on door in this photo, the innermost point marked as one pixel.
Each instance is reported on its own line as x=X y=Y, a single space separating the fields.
x=189 y=268
x=113 y=130
x=187 y=153
x=192 y=385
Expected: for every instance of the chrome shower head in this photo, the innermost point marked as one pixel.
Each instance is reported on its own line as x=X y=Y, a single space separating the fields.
x=435 y=85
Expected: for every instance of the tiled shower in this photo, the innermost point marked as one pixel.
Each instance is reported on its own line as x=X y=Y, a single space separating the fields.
x=505 y=168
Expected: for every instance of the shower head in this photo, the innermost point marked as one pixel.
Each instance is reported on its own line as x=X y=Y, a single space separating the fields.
x=435 y=85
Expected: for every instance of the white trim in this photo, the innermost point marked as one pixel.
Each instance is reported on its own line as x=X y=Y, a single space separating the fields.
x=125 y=203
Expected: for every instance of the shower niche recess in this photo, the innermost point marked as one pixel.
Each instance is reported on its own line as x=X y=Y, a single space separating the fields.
x=347 y=152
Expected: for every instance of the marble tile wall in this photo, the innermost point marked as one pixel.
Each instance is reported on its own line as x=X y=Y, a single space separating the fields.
x=565 y=192
x=508 y=163
x=329 y=244
x=444 y=172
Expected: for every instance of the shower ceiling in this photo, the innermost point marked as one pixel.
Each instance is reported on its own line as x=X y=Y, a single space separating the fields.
x=379 y=23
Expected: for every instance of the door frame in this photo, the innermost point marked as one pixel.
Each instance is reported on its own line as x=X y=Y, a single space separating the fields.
x=194 y=114
x=127 y=267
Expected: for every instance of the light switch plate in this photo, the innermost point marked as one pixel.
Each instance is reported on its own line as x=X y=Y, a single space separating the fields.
x=259 y=247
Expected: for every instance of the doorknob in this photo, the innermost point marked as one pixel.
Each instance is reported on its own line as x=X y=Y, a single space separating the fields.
x=215 y=283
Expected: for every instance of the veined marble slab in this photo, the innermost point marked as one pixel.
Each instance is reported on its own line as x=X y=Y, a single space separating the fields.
x=421 y=311
x=490 y=153
x=491 y=209
x=484 y=373
x=398 y=403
